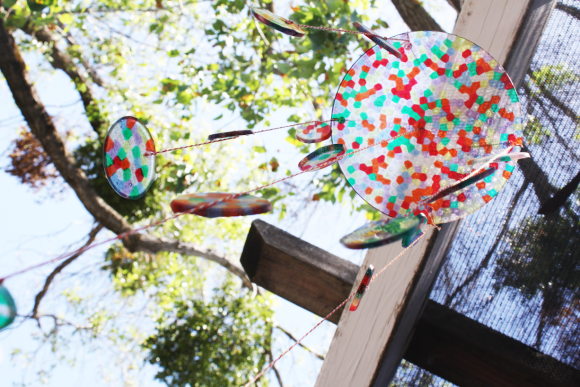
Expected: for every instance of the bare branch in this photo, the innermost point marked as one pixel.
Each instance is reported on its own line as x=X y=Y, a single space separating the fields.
x=41 y=125
x=278 y=376
x=39 y=296
x=321 y=357
x=152 y=245
x=415 y=16
x=62 y=61
x=90 y=69
x=268 y=348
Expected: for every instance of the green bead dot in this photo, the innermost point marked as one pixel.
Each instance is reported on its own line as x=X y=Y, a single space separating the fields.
x=122 y=154
x=136 y=152
x=127 y=134
x=126 y=175
x=380 y=101
x=134 y=192
x=109 y=160
x=145 y=170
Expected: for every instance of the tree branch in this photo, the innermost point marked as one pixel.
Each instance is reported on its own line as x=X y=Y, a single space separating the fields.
x=321 y=357
x=415 y=16
x=62 y=61
x=41 y=125
x=152 y=245
x=90 y=69
x=271 y=356
x=42 y=293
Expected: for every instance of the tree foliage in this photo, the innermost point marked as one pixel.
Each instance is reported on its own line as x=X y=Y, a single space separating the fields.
x=170 y=64
x=224 y=342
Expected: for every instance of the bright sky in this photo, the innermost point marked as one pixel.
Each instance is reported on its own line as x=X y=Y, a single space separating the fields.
x=36 y=228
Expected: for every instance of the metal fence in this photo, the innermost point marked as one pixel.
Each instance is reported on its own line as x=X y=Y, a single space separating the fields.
x=521 y=277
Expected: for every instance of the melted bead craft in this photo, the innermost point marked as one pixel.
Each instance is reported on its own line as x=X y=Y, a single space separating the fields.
x=288 y=27
x=128 y=168
x=239 y=206
x=381 y=232
x=381 y=42
x=409 y=239
x=129 y=153
x=504 y=159
x=322 y=157
x=314 y=133
x=229 y=135
x=362 y=288
x=456 y=94
x=278 y=23
x=7 y=307
x=456 y=187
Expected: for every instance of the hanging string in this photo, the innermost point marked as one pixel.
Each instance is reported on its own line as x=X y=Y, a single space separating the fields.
x=234 y=137
x=194 y=210
x=231 y=138
x=339 y=30
x=333 y=311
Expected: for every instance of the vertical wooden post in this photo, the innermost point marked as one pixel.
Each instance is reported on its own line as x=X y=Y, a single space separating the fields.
x=369 y=344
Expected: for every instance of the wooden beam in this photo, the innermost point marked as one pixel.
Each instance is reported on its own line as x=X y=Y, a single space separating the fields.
x=445 y=342
x=378 y=336
x=378 y=333
x=471 y=354
x=271 y=254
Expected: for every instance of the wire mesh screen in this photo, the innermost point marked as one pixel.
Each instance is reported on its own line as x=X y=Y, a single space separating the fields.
x=521 y=274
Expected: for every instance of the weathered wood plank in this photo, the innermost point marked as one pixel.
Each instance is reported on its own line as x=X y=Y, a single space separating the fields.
x=369 y=344
x=445 y=342
x=271 y=254
x=492 y=24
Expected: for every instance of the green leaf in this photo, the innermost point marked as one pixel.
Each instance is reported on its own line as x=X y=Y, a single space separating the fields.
x=39 y=5
x=259 y=149
x=66 y=18
x=284 y=67
x=185 y=97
